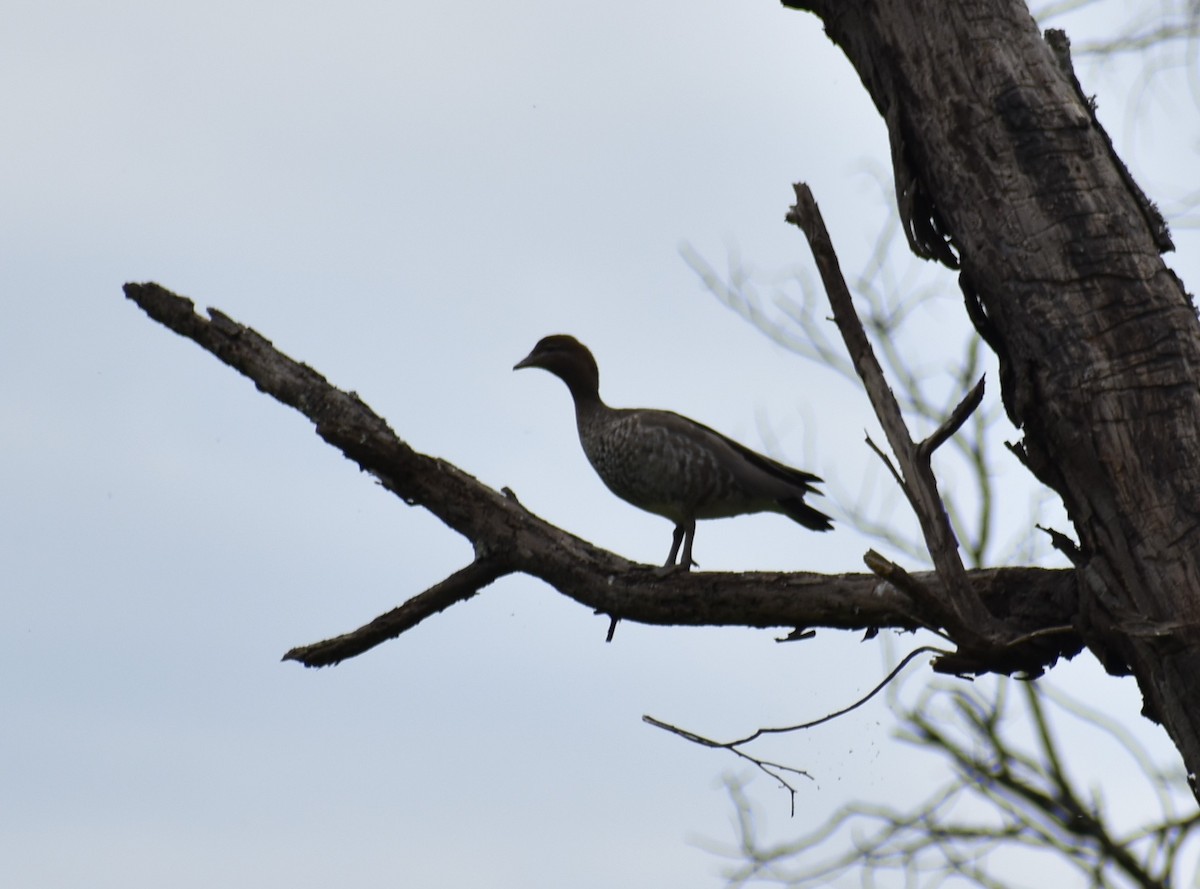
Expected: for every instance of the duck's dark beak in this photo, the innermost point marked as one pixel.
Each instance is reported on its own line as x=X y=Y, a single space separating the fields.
x=527 y=361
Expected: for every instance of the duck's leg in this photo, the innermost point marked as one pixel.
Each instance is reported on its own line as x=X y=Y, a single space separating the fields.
x=676 y=539
x=685 y=561
x=684 y=533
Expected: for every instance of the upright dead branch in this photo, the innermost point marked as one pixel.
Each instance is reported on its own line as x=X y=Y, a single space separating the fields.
x=959 y=609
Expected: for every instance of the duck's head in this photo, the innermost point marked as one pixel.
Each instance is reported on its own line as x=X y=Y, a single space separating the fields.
x=569 y=360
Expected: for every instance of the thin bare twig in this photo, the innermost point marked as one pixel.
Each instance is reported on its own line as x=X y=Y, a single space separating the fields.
x=954 y=422
x=767 y=766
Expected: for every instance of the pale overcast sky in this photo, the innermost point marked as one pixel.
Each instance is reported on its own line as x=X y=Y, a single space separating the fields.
x=406 y=197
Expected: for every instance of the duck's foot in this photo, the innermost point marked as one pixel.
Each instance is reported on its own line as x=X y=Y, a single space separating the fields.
x=668 y=569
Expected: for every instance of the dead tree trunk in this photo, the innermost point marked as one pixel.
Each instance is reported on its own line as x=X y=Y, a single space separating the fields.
x=1003 y=172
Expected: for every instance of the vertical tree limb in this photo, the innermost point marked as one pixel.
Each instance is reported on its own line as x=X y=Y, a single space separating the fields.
x=961 y=611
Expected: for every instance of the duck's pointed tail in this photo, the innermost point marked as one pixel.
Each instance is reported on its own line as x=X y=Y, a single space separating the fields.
x=797 y=510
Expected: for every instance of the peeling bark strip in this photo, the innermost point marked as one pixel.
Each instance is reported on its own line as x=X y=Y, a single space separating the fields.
x=508 y=538
x=1002 y=169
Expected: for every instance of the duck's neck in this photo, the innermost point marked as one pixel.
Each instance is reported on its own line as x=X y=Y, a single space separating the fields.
x=587 y=400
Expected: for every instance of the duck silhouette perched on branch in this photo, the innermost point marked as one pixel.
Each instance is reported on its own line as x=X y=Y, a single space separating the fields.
x=669 y=465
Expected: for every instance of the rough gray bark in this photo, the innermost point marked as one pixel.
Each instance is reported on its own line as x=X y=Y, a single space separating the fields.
x=1002 y=171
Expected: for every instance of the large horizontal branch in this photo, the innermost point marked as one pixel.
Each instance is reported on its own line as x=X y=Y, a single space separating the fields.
x=509 y=539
